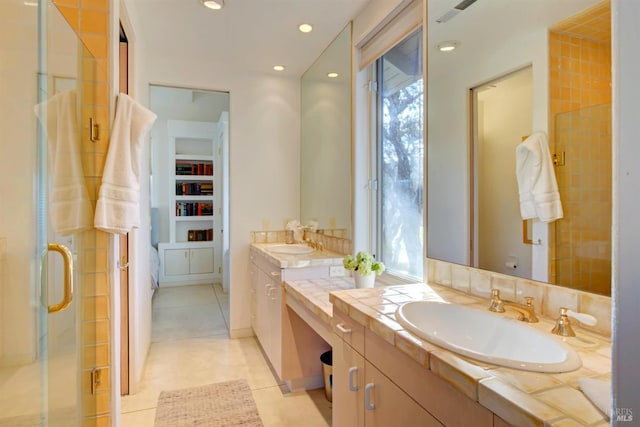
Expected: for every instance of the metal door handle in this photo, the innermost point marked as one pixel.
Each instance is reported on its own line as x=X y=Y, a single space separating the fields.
x=352 y=385
x=67 y=259
x=367 y=397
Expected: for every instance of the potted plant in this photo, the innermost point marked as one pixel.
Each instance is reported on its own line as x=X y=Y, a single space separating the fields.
x=365 y=268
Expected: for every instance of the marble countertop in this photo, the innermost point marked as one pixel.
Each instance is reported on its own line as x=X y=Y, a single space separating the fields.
x=519 y=397
x=315 y=258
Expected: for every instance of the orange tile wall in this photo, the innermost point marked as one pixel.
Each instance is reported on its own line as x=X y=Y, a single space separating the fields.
x=580 y=126
x=89 y=19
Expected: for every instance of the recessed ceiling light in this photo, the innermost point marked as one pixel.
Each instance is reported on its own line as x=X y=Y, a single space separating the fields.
x=332 y=75
x=213 y=4
x=447 y=46
x=305 y=28
x=278 y=67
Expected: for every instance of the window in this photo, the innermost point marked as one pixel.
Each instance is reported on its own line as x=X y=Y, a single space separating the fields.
x=399 y=162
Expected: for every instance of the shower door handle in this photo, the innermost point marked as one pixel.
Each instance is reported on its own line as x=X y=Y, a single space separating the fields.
x=67 y=260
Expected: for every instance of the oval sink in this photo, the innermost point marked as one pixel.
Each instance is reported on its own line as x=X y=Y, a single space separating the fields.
x=293 y=249
x=487 y=337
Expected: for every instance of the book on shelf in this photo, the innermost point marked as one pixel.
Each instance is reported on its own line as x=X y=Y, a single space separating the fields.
x=194 y=189
x=200 y=235
x=192 y=168
x=194 y=209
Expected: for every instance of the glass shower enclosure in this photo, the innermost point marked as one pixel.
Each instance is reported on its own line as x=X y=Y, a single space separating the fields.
x=43 y=210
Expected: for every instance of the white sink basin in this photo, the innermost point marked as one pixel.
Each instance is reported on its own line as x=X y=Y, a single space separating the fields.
x=293 y=249
x=487 y=337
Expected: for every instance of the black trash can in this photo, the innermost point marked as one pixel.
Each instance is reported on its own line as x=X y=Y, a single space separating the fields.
x=327 y=373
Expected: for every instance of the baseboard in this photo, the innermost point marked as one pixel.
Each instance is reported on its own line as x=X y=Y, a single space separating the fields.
x=14 y=360
x=308 y=383
x=241 y=333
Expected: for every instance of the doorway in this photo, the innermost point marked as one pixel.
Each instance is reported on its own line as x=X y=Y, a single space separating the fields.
x=189 y=185
x=502 y=112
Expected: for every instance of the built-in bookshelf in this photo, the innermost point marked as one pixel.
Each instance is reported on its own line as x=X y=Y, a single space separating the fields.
x=189 y=255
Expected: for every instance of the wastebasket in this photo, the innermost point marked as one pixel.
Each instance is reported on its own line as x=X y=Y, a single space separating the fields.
x=327 y=373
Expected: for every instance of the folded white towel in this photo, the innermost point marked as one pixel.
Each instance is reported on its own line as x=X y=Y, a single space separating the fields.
x=70 y=210
x=598 y=392
x=539 y=196
x=118 y=206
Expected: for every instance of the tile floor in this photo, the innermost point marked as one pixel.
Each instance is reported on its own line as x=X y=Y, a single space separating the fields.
x=190 y=346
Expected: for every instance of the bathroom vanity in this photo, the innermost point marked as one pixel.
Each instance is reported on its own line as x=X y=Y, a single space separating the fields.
x=385 y=375
x=289 y=343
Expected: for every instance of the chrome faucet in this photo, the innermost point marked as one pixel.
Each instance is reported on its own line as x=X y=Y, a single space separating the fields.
x=527 y=312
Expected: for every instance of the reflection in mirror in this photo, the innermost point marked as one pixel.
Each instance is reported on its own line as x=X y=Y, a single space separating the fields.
x=566 y=48
x=325 y=137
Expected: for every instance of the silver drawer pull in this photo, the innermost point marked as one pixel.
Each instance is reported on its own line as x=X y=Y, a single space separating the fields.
x=367 y=397
x=341 y=328
x=352 y=385
x=275 y=273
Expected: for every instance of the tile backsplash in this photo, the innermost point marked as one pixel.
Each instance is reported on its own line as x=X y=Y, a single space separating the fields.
x=332 y=239
x=547 y=298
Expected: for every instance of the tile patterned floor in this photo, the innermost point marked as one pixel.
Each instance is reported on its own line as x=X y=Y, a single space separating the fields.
x=190 y=347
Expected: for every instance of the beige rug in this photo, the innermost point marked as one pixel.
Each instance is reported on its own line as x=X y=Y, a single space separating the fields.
x=226 y=404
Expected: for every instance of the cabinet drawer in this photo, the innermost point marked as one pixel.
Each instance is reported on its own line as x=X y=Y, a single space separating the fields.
x=349 y=330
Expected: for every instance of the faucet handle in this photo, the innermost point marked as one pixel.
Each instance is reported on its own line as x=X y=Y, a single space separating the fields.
x=585 y=318
x=563 y=325
x=496 y=303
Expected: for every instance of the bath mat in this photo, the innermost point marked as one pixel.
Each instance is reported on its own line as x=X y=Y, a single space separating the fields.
x=225 y=404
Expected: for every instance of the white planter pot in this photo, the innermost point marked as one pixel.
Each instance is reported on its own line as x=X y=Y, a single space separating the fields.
x=364 y=281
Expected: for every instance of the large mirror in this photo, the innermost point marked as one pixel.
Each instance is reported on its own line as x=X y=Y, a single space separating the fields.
x=517 y=68
x=325 y=137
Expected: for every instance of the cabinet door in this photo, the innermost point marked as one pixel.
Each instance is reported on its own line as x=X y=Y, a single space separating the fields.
x=253 y=272
x=201 y=261
x=263 y=285
x=387 y=405
x=348 y=385
x=176 y=262
x=275 y=325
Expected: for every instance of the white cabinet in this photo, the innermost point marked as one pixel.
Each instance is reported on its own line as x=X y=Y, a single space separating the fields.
x=186 y=263
x=267 y=314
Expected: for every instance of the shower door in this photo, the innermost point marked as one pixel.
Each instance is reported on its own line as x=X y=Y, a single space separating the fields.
x=43 y=201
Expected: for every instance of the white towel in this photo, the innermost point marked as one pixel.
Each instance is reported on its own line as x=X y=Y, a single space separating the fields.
x=118 y=207
x=539 y=197
x=70 y=210
x=598 y=392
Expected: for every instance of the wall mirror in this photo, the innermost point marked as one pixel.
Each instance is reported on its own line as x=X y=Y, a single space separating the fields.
x=517 y=68
x=325 y=137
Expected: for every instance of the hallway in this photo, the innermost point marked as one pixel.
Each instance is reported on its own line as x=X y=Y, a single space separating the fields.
x=190 y=347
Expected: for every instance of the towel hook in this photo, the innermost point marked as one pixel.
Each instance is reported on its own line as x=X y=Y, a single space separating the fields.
x=94 y=130
x=559 y=159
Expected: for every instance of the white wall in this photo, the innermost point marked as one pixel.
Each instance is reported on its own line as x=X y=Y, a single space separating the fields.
x=264 y=163
x=626 y=179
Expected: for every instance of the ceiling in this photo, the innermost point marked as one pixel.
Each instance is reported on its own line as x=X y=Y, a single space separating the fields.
x=252 y=35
